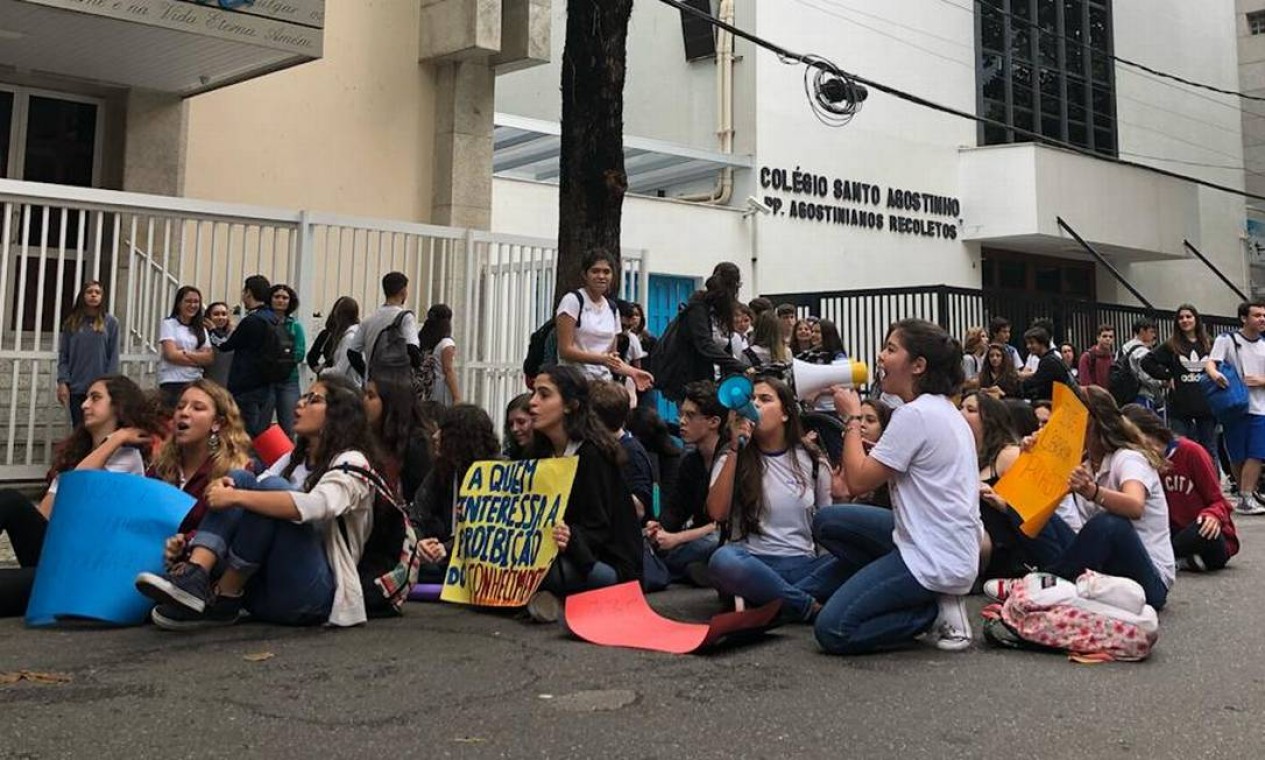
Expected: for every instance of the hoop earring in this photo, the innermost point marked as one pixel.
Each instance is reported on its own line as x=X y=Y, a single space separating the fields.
x=213 y=443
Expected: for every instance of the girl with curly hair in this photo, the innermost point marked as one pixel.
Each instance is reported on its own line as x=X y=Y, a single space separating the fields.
x=208 y=440
x=285 y=556
x=114 y=436
x=465 y=436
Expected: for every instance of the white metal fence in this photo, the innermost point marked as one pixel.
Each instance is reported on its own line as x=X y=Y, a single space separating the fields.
x=142 y=248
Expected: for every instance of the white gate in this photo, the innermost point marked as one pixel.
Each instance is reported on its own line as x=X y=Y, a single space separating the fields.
x=142 y=248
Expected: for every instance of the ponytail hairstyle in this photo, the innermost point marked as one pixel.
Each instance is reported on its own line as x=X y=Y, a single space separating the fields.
x=342 y=315
x=580 y=421
x=79 y=312
x=346 y=429
x=721 y=295
x=941 y=352
x=749 y=503
x=1111 y=431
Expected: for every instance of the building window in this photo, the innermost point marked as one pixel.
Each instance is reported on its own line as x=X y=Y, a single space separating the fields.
x=1256 y=22
x=1045 y=66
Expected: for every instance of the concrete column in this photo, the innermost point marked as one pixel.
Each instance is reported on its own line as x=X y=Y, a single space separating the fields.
x=156 y=135
x=465 y=100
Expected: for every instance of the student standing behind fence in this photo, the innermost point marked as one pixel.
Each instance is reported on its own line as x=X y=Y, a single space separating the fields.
x=88 y=348
x=439 y=352
x=219 y=325
x=285 y=302
x=1180 y=361
x=184 y=348
x=252 y=392
x=360 y=351
x=329 y=351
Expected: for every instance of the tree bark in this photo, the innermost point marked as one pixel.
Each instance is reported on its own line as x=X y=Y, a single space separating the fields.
x=592 y=181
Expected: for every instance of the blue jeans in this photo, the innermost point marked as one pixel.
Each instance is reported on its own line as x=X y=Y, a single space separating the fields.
x=289 y=578
x=256 y=408
x=698 y=550
x=566 y=577
x=1201 y=430
x=1109 y=544
x=881 y=607
x=285 y=398
x=759 y=579
x=856 y=534
x=76 y=408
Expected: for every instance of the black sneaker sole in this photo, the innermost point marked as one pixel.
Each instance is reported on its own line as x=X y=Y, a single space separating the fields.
x=172 y=624
x=163 y=591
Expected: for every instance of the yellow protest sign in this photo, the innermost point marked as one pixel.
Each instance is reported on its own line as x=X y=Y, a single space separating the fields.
x=1037 y=481
x=503 y=544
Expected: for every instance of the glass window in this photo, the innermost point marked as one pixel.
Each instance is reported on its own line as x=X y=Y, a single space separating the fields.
x=1256 y=22
x=1059 y=67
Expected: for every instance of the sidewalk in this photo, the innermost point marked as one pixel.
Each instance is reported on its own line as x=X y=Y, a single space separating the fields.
x=447 y=682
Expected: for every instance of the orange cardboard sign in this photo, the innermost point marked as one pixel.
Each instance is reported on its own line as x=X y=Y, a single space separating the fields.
x=1037 y=481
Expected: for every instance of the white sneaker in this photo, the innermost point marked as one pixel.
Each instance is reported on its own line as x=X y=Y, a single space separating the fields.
x=544 y=607
x=1249 y=505
x=952 y=630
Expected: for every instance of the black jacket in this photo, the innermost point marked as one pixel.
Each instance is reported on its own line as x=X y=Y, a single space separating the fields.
x=687 y=502
x=1050 y=370
x=246 y=342
x=1187 y=397
x=601 y=516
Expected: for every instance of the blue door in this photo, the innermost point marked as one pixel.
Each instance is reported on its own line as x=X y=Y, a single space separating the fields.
x=664 y=299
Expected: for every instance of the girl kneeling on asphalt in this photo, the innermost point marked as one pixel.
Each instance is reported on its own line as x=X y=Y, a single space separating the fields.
x=767 y=492
x=599 y=540
x=286 y=556
x=907 y=568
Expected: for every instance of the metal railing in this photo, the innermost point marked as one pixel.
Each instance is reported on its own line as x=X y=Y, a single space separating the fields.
x=863 y=316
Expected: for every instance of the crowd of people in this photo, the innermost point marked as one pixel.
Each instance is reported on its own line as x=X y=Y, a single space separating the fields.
x=872 y=531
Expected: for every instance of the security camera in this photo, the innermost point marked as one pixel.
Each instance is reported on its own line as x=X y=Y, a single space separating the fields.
x=755 y=205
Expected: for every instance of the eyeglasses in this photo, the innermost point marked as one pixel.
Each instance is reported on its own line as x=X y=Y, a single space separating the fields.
x=311 y=398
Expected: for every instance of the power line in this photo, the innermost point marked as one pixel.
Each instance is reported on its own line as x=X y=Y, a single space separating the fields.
x=789 y=56
x=949 y=58
x=1127 y=62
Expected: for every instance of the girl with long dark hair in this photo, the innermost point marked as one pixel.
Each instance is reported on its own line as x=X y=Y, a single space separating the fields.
x=705 y=332
x=439 y=351
x=184 y=346
x=88 y=348
x=518 y=430
x=1180 y=361
x=587 y=324
x=770 y=484
x=465 y=436
x=402 y=430
x=599 y=540
x=285 y=302
x=329 y=350
x=114 y=435
x=907 y=569
x=998 y=377
x=285 y=556
x=219 y=325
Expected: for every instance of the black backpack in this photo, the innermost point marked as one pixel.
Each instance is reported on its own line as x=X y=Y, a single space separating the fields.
x=390 y=348
x=276 y=359
x=1122 y=383
x=669 y=361
x=390 y=559
x=542 y=347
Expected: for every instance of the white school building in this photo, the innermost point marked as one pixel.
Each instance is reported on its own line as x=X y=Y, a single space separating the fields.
x=156 y=142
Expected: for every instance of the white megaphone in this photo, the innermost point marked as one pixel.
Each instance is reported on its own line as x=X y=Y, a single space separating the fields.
x=811 y=380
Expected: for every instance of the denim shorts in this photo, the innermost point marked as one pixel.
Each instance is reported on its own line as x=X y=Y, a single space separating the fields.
x=1245 y=438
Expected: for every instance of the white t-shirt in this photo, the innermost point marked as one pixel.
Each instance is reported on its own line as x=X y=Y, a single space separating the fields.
x=595 y=332
x=1249 y=360
x=935 y=493
x=439 y=390
x=636 y=352
x=790 y=502
x=342 y=365
x=296 y=478
x=172 y=331
x=1124 y=465
x=370 y=328
x=126 y=460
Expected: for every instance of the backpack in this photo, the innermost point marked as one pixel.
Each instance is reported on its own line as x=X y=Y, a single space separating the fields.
x=1121 y=381
x=669 y=362
x=542 y=347
x=390 y=559
x=426 y=376
x=390 y=348
x=276 y=361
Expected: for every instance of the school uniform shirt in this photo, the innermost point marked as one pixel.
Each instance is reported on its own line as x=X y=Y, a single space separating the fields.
x=1192 y=489
x=595 y=332
x=1118 y=468
x=935 y=493
x=791 y=499
x=1249 y=359
x=126 y=460
x=349 y=496
x=182 y=336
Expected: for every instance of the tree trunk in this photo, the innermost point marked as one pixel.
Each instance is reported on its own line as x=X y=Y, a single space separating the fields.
x=592 y=181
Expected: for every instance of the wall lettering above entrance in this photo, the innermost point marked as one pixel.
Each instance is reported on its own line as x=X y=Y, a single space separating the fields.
x=851 y=203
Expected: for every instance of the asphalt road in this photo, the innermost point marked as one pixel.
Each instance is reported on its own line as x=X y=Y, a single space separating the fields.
x=446 y=682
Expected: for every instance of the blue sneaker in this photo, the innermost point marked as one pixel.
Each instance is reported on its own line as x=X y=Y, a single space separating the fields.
x=225 y=610
x=185 y=585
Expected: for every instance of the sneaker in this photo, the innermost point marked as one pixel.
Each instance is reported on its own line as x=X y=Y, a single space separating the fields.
x=952 y=630
x=225 y=610
x=1249 y=505
x=997 y=589
x=185 y=585
x=1192 y=564
x=544 y=607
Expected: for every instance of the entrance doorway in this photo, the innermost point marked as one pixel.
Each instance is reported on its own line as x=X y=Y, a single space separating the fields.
x=1046 y=275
